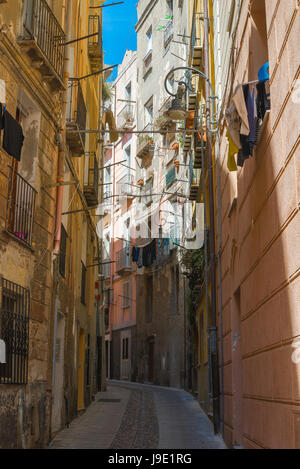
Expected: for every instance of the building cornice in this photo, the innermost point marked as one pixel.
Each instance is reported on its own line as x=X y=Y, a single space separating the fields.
x=24 y=72
x=145 y=14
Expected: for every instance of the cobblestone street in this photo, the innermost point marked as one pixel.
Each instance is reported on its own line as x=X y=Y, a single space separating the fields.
x=134 y=416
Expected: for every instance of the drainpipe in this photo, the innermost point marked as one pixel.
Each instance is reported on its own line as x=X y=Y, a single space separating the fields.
x=213 y=323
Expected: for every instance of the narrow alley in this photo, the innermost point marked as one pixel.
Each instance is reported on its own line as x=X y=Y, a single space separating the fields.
x=137 y=416
x=149 y=225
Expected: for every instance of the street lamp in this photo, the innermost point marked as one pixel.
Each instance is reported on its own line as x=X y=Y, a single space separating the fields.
x=177 y=111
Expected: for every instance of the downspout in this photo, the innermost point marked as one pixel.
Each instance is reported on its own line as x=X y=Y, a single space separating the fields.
x=60 y=178
x=213 y=323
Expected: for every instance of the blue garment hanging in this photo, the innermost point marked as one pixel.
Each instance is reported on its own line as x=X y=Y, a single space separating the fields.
x=263 y=74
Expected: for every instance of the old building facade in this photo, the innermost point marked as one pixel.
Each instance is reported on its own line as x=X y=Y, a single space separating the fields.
x=49 y=297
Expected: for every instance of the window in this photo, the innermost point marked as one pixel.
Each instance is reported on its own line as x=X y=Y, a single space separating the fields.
x=63 y=251
x=83 y=275
x=128 y=92
x=148 y=110
x=14 y=331
x=125 y=295
x=149 y=39
x=125 y=344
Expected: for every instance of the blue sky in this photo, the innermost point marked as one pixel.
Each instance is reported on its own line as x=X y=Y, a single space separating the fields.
x=118 y=31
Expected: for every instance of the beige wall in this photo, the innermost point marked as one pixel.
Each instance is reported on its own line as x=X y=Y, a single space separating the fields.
x=260 y=257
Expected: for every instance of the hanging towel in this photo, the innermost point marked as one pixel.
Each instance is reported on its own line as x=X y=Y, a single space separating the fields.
x=240 y=105
x=262 y=102
x=109 y=118
x=232 y=150
x=13 y=136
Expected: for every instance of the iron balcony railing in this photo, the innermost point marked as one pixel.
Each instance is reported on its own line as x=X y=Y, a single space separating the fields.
x=14 y=331
x=91 y=188
x=125 y=118
x=123 y=259
x=20 y=207
x=124 y=185
x=95 y=42
x=41 y=25
x=168 y=34
x=76 y=116
x=145 y=144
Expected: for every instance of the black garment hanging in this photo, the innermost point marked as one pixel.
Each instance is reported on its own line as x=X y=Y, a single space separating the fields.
x=247 y=141
x=13 y=136
x=1 y=117
x=262 y=101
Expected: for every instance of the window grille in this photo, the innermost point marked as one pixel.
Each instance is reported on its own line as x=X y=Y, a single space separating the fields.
x=20 y=207
x=14 y=331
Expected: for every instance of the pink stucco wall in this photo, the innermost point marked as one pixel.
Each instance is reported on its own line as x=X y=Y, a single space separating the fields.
x=261 y=252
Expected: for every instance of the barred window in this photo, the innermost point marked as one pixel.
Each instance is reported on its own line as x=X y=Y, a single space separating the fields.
x=14 y=331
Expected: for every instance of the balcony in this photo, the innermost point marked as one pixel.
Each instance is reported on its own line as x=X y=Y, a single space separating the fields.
x=170 y=177
x=195 y=178
x=197 y=43
x=147 y=63
x=41 y=39
x=95 y=43
x=124 y=185
x=76 y=118
x=168 y=34
x=125 y=118
x=20 y=208
x=91 y=187
x=200 y=137
x=145 y=147
x=147 y=190
x=123 y=261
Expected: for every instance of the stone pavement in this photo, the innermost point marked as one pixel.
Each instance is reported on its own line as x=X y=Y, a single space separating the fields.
x=137 y=416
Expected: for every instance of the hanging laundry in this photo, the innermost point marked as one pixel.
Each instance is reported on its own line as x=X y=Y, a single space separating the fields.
x=139 y=261
x=2 y=351
x=262 y=102
x=237 y=116
x=232 y=150
x=263 y=74
x=109 y=118
x=13 y=136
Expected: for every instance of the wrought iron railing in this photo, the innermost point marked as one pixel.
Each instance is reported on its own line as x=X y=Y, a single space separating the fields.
x=76 y=114
x=94 y=27
x=91 y=188
x=14 y=331
x=145 y=141
x=123 y=259
x=20 y=207
x=42 y=26
x=125 y=117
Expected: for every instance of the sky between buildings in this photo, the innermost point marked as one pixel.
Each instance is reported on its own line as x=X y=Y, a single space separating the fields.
x=118 y=31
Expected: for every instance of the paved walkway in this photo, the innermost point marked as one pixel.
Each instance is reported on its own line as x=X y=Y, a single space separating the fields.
x=137 y=416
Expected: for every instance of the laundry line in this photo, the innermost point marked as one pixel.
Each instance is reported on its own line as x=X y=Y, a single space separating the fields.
x=125 y=132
